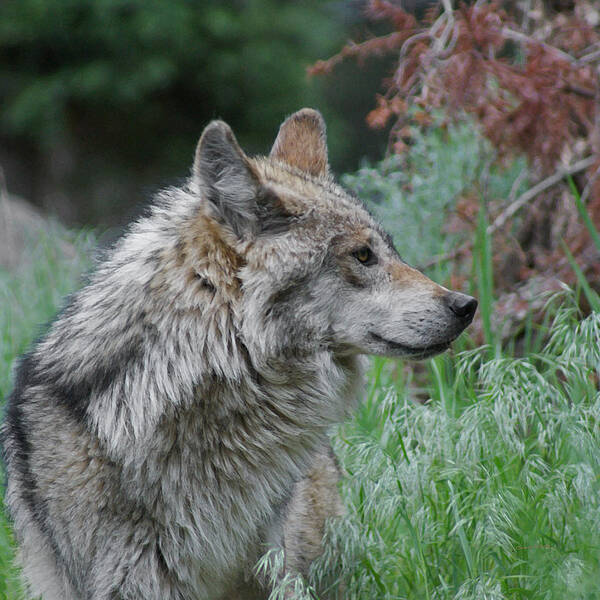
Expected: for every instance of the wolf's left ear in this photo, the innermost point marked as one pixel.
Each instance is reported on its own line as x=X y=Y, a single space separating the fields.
x=226 y=178
x=224 y=174
x=302 y=143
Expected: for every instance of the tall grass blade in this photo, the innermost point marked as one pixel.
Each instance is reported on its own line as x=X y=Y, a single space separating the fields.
x=484 y=281
x=585 y=217
x=591 y=296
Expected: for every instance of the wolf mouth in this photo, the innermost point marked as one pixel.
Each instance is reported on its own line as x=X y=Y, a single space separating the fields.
x=412 y=351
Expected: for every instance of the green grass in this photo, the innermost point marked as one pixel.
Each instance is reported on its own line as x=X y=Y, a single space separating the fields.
x=29 y=298
x=491 y=490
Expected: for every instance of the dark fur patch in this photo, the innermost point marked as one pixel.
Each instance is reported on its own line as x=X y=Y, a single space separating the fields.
x=273 y=218
x=72 y=387
x=285 y=295
x=252 y=371
x=281 y=507
x=16 y=434
x=161 y=561
x=352 y=278
x=76 y=394
x=334 y=459
x=205 y=283
x=387 y=238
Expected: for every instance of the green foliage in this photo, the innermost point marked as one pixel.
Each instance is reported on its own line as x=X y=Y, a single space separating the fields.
x=482 y=264
x=271 y=569
x=33 y=294
x=489 y=491
x=590 y=294
x=153 y=69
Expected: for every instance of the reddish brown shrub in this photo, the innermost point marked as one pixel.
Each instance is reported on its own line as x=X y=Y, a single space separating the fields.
x=532 y=91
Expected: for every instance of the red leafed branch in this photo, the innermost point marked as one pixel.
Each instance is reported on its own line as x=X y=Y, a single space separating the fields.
x=531 y=91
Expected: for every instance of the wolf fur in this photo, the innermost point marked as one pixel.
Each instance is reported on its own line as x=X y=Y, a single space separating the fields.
x=171 y=425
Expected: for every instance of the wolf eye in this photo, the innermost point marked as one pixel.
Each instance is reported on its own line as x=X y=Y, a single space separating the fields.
x=365 y=256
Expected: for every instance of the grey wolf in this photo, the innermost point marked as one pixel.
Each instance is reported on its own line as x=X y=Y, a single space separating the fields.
x=172 y=423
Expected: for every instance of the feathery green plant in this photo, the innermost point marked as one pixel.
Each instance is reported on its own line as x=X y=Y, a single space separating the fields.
x=490 y=491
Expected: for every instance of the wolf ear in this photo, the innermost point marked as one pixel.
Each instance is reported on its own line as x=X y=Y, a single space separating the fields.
x=225 y=176
x=302 y=143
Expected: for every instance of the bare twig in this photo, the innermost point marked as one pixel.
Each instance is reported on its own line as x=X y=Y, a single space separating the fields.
x=526 y=11
x=353 y=49
x=513 y=207
x=517 y=36
x=514 y=188
x=591 y=55
x=440 y=43
x=447 y=51
x=421 y=35
x=531 y=193
x=580 y=91
x=588 y=186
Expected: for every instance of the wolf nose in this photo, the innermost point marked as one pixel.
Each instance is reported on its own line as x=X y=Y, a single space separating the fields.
x=461 y=305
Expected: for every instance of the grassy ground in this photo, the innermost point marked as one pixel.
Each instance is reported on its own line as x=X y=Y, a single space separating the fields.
x=489 y=490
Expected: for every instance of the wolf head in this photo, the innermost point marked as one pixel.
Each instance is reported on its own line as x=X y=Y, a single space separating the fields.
x=315 y=271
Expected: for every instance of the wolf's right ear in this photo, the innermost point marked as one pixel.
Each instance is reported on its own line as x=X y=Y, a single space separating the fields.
x=222 y=171
x=302 y=143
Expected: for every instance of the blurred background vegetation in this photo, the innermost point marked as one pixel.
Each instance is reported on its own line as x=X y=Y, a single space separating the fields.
x=103 y=100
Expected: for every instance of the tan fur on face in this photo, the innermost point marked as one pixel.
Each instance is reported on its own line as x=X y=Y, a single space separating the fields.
x=403 y=275
x=212 y=255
